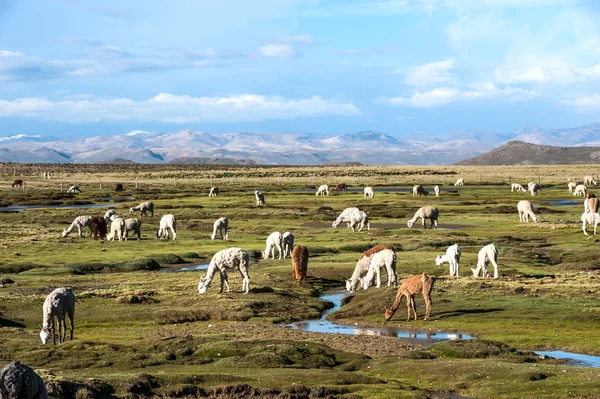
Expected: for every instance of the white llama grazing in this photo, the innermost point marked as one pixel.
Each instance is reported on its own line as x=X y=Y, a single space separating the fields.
x=323 y=190
x=426 y=212
x=452 y=256
x=369 y=192
x=418 y=190
x=273 y=241
x=110 y=215
x=17 y=381
x=459 y=182
x=134 y=225
x=79 y=222
x=362 y=266
x=221 y=225
x=487 y=253
x=287 y=242
x=572 y=185
x=143 y=208
x=223 y=261
x=354 y=217
x=214 y=191
x=74 y=189
x=436 y=190
x=58 y=304
x=260 y=198
x=117 y=228
x=167 y=222
x=533 y=188
x=386 y=258
x=525 y=210
x=516 y=187
x=589 y=180
x=590 y=218
x=580 y=190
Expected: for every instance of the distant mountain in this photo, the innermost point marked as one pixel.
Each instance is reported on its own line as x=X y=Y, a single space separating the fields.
x=117 y=161
x=210 y=161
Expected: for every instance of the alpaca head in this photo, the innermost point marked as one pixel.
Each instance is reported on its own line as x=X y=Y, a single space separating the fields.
x=213 y=235
x=45 y=334
x=388 y=313
x=336 y=223
x=131 y=210
x=203 y=285
x=265 y=254
x=409 y=224
x=439 y=260
x=474 y=272
x=64 y=233
x=349 y=285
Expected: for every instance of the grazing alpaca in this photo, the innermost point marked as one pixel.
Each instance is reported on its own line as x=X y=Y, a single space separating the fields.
x=340 y=187
x=223 y=261
x=452 y=256
x=591 y=203
x=387 y=258
x=572 y=185
x=58 y=304
x=409 y=288
x=287 y=242
x=517 y=187
x=135 y=226
x=260 y=198
x=418 y=190
x=354 y=217
x=426 y=212
x=369 y=192
x=214 y=191
x=299 y=262
x=119 y=187
x=220 y=225
x=18 y=182
x=487 y=253
x=323 y=190
x=17 y=381
x=589 y=180
x=79 y=222
x=110 y=215
x=580 y=191
x=74 y=190
x=459 y=182
x=590 y=218
x=143 y=208
x=436 y=190
x=117 y=228
x=534 y=188
x=99 y=227
x=525 y=210
x=273 y=241
x=362 y=266
x=168 y=221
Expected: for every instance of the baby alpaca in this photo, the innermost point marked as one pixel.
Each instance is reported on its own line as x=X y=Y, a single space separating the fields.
x=135 y=226
x=323 y=190
x=79 y=222
x=273 y=241
x=409 y=287
x=387 y=258
x=580 y=191
x=143 y=208
x=214 y=191
x=168 y=221
x=590 y=218
x=220 y=225
x=516 y=187
x=58 y=304
x=452 y=256
x=260 y=198
x=17 y=381
x=426 y=212
x=287 y=241
x=369 y=193
x=117 y=228
x=223 y=261
x=487 y=253
x=459 y=182
x=418 y=190
x=299 y=262
x=525 y=210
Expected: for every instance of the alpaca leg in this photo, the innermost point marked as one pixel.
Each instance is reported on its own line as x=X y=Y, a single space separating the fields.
x=278 y=250
x=225 y=279
x=378 y=275
x=595 y=226
x=427 y=298
x=493 y=261
x=583 y=227
x=79 y=231
x=412 y=304
x=64 y=330
x=72 y=321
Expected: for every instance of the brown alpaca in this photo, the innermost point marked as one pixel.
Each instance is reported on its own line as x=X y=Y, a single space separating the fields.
x=299 y=262
x=340 y=187
x=18 y=182
x=98 y=227
x=409 y=287
x=592 y=202
x=375 y=249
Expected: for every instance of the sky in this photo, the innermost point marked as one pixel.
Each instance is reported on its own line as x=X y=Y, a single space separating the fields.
x=73 y=68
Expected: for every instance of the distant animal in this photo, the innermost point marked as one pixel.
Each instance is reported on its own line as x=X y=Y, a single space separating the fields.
x=168 y=221
x=17 y=381
x=589 y=180
x=221 y=225
x=119 y=187
x=580 y=191
x=368 y=192
x=323 y=190
x=452 y=256
x=362 y=266
x=534 y=188
x=134 y=225
x=18 y=183
x=58 y=304
x=117 y=229
x=426 y=212
x=143 y=208
x=459 y=182
x=353 y=217
x=572 y=185
x=409 y=288
x=287 y=242
x=223 y=261
x=384 y=258
x=214 y=191
x=273 y=241
x=592 y=218
x=489 y=253
x=74 y=189
x=525 y=210
x=299 y=262
x=516 y=187
x=99 y=227
x=418 y=190
x=260 y=198
x=436 y=190
x=110 y=215
x=79 y=223
x=340 y=187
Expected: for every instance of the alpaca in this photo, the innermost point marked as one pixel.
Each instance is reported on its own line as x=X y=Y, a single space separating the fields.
x=287 y=242
x=525 y=210
x=117 y=228
x=452 y=256
x=354 y=217
x=323 y=190
x=273 y=241
x=487 y=253
x=222 y=261
x=110 y=215
x=260 y=198
x=58 y=304
x=79 y=222
x=168 y=221
x=368 y=192
x=18 y=182
x=590 y=218
x=362 y=266
x=134 y=225
x=387 y=258
x=426 y=212
x=436 y=190
x=299 y=262
x=533 y=188
x=17 y=381
x=214 y=191
x=589 y=180
x=340 y=187
x=591 y=203
x=459 y=182
x=99 y=228
x=572 y=186
x=74 y=190
x=418 y=190
x=220 y=225
x=516 y=187
x=409 y=288
x=143 y=208
x=580 y=191
x=119 y=187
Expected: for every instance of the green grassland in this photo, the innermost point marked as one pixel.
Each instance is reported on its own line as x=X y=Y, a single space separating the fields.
x=142 y=332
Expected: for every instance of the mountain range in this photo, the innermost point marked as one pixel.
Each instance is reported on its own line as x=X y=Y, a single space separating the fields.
x=367 y=147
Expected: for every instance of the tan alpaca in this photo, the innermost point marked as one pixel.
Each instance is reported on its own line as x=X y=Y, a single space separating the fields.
x=409 y=287
x=375 y=249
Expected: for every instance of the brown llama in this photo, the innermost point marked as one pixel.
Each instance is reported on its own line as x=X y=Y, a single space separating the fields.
x=299 y=262
x=119 y=187
x=99 y=227
x=340 y=187
x=18 y=182
x=409 y=287
x=375 y=249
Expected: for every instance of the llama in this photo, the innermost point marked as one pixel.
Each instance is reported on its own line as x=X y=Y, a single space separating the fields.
x=323 y=190
x=17 y=381
x=168 y=221
x=452 y=256
x=517 y=187
x=426 y=212
x=534 y=188
x=525 y=210
x=143 y=208
x=362 y=266
x=589 y=180
x=220 y=225
x=591 y=203
x=74 y=190
x=418 y=190
x=299 y=262
x=18 y=183
x=214 y=191
x=110 y=215
x=387 y=258
x=354 y=217
x=287 y=242
x=580 y=191
x=572 y=185
x=222 y=261
x=119 y=187
x=340 y=187
x=436 y=190
x=58 y=304
x=273 y=241
x=99 y=228
x=459 y=182
x=260 y=198
x=79 y=222
x=117 y=228
x=369 y=192
x=134 y=225
x=487 y=253
x=409 y=288
x=590 y=218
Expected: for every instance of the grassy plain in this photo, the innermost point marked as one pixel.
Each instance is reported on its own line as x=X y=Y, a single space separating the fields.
x=144 y=333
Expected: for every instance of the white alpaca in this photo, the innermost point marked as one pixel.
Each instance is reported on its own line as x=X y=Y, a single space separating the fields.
x=436 y=190
x=525 y=210
x=590 y=218
x=223 y=261
x=323 y=190
x=273 y=241
x=221 y=225
x=533 y=188
x=426 y=212
x=287 y=241
x=362 y=267
x=369 y=192
x=487 y=253
x=386 y=258
x=516 y=187
x=79 y=222
x=459 y=182
x=59 y=303
x=588 y=180
x=167 y=222
x=74 y=190
x=572 y=185
x=143 y=208
x=260 y=198
x=19 y=381
x=354 y=217
x=134 y=225
x=452 y=256
x=580 y=191
x=214 y=191
x=117 y=228
x=110 y=215
x=418 y=190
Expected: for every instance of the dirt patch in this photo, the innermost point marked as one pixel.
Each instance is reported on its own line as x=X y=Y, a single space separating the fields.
x=445 y=226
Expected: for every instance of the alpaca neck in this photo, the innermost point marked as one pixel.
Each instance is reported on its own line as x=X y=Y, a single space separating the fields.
x=415 y=218
x=210 y=272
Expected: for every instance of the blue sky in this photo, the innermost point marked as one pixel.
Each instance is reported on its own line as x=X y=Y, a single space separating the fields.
x=83 y=67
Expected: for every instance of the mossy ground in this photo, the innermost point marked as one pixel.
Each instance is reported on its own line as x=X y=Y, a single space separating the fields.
x=146 y=332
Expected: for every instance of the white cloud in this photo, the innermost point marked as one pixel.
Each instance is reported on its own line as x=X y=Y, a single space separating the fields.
x=429 y=74
x=540 y=71
x=591 y=101
x=283 y=51
x=299 y=39
x=167 y=107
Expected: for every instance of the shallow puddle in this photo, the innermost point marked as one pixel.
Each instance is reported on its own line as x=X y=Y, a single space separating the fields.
x=27 y=208
x=563 y=202
x=575 y=359
x=192 y=268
